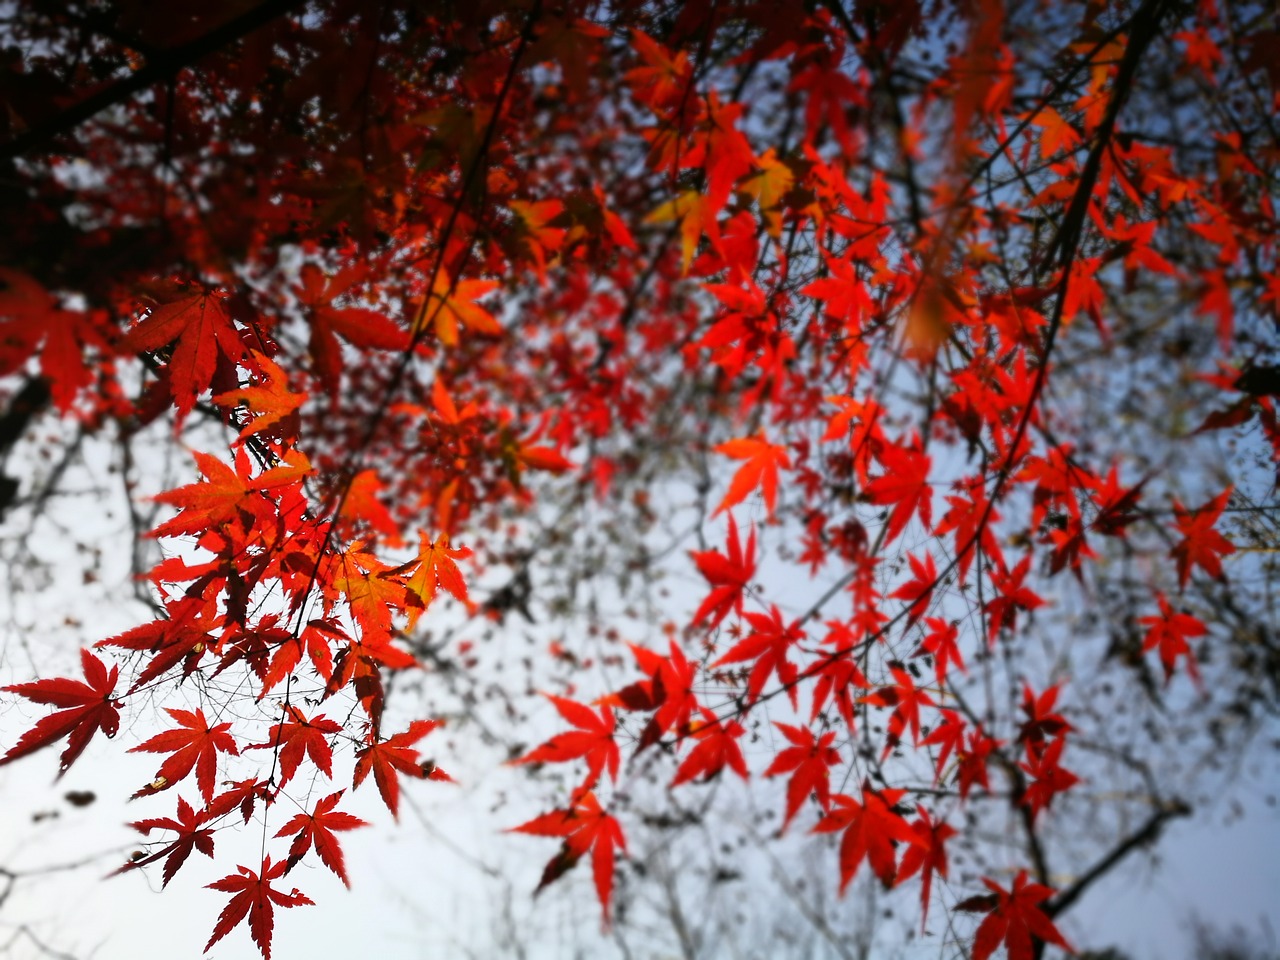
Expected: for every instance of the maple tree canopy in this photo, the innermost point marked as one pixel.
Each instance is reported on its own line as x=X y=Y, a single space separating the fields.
x=961 y=318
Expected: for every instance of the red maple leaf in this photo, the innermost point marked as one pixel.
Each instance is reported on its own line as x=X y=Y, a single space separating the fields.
x=1015 y=920
x=1169 y=633
x=1042 y=722
x=317 y=829
x=393 y=756
x=243 y=794
x=1202 y=546
x=87 y=708
x=839 y=674
x=1050 y=777
x=947 y=736
x=906 y=699
x=809 y=760
x=255 y=898
x=728 y=574
x=195 y=743
x=1117 y=505
x=715 y=747
x=972 y=762
x=585 y=828
x=963 y=519
x=668 y=692
x=905 y=485
x=297 y=737
x=871 y=829
x=760 y=470
x=1002 y=611
x=593 y=740
x=941 y=644
x=269 y=401
x=202 y=329
x=928 y=853
x=225 y=495
x=357 y=325
x=192 y=835
x=767 y=645
x=919 y=590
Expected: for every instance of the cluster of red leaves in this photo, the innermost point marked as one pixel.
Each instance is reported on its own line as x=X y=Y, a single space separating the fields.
x=792 y=287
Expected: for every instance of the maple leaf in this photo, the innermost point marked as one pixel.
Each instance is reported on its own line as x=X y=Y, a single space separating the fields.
x=972 y=762
x=437 y=568
x=1202 y=545
x=769 y=185
x=87 y=708
x=202 y=329
x=31 y=318
x=168 y=642
x=389 y=758
x=593 y=740
x=243 y=795
x=767 y=645
x=317 y=829
x=963 y=519
x=846 y=297
x=918 y=591
x=534 y=233
x=668 y=692
x=254 y=897
x=663 y=75
x=270 y=402
x=1015 y=920
x=1002 y=611
x=946 y=736
x=297 y=737
x=809 y=760
x=373 y=590
x=453 y=307
x=192 y=835
x=871 y=829
x=760 y=470
x=195 y=743
x=1042 y=722
x=941 y=644
x=729 y=574
x=226 y=495
x=357 y=325
x=906 y=699
x=313 y=641
x=715 y=747
x=696 y=215
x=585 y=828
x=839 y=675
x=1050 y=778
x=1169 y=633
x=927 y=853
x=905 y=485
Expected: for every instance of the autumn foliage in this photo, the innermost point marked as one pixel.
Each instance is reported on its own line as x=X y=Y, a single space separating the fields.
x=859 y=275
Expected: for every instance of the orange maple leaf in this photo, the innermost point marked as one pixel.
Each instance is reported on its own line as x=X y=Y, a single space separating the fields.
x=451 y=306
x=437 y=568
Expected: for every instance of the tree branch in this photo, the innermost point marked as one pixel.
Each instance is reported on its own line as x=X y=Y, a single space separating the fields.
x=162 y=66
